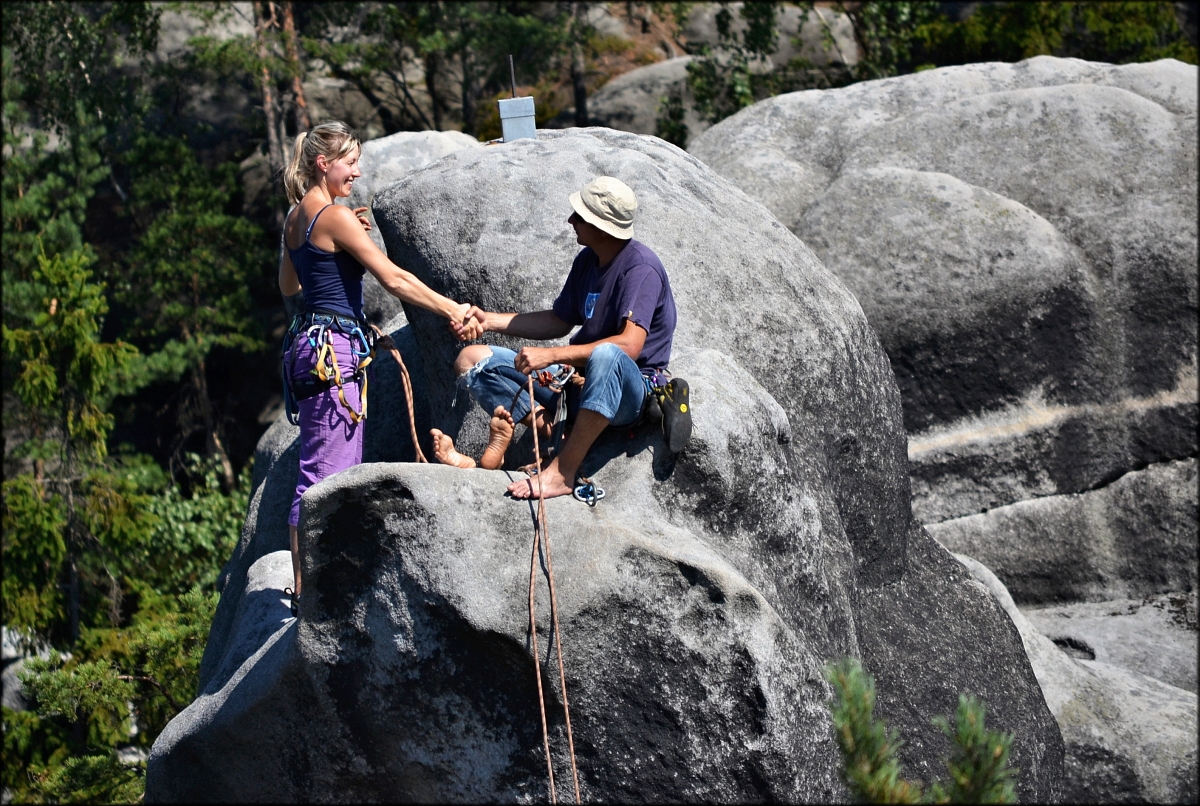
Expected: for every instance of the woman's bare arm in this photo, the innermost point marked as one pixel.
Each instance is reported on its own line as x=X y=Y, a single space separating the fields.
x=340 y=225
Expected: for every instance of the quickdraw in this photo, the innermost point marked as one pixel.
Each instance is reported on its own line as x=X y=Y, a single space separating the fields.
x=557 y=383
x=317 y=328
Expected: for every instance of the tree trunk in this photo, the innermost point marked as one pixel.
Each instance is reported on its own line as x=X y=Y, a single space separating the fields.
x=578 y=67
x=391 y=124
x=213 y=443
x=212 y=429
x=285 y=142
x=68 y=472
x=73 y=591
x=303 y=122
x=274 y=147
x=432 y=65
x=470 y=92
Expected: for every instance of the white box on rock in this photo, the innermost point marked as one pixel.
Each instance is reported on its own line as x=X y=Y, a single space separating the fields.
x=516 y=118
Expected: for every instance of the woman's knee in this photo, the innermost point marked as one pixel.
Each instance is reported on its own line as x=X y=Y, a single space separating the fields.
x=469 y=356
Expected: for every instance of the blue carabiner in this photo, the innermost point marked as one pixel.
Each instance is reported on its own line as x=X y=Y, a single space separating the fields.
x=587 y=492
x=362 y=337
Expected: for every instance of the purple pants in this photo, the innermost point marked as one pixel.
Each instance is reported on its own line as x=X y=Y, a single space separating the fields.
x=329 y=440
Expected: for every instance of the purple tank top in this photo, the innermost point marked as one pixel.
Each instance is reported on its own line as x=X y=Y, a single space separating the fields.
x=332 y=281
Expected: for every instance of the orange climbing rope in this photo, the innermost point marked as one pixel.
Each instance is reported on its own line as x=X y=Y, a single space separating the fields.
x=539 y=529
x=408 y=394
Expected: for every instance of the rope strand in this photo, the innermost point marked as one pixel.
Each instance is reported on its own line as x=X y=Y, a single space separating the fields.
x=539 y=529
x=408 y=395
x=537 y=664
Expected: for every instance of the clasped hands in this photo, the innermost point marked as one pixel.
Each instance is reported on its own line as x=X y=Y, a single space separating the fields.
x=474 y=323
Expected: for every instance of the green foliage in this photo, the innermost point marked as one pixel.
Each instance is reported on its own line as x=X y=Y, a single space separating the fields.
x=34 y=552
x=65 y=374
x=670 y=125
x=195 y=530
x=153 y=665
x=30 y=743
x=871 y=770
x=722 y=81
x=978 y=767
x=75 y=56
x=45 y=194
x=89 y=779
x=477 y=36
x=979 y=771
x=888 y=32
x=189 y=276
x=1115 y=32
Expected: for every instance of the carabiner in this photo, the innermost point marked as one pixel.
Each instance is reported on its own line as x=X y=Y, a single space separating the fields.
x=362 y=337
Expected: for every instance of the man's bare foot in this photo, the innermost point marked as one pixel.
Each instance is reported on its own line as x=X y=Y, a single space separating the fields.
x=501 y=431
x=444 y=452
x=553 y=484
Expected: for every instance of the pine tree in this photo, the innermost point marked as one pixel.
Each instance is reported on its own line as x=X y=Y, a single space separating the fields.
x=978 y=767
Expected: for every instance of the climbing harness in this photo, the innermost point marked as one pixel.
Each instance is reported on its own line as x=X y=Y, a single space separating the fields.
x=540 y=530
x=317 y=327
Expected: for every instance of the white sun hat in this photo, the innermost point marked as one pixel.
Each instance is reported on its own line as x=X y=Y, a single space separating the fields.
x=607 y=204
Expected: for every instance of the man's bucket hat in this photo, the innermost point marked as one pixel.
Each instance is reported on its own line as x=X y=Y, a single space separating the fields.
x=607 y=204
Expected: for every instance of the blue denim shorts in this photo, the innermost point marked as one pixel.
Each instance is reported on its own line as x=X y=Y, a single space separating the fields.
x=613 y=386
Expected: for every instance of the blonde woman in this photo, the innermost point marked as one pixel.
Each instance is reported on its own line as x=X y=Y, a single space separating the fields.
x=328 y=253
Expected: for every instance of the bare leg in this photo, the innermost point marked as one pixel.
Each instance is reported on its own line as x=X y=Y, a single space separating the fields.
x=444 y=452
x=559 y=476
x=294 y=534
x=501 y=431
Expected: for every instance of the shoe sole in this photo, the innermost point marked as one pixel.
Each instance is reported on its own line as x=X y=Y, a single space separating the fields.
x=677 y=415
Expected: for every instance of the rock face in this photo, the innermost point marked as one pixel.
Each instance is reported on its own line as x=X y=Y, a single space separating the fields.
x=384 y=161
x=820 y=36
x=1134 y=538
x=697 y=603
x=1023 y=238
x=1155 y=636
x=630 y=102
x=1129 y=738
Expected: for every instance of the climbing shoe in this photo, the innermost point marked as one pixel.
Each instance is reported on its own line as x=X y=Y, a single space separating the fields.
x=676 y=414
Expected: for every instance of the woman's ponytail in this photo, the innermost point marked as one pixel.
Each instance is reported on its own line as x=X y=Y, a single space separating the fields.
x=333 y=140
x=295 y=178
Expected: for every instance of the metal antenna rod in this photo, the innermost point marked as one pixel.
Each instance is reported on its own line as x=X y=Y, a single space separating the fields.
x=512 y=75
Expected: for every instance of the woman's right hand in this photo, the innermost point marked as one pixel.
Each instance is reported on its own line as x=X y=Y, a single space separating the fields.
x=468 y=322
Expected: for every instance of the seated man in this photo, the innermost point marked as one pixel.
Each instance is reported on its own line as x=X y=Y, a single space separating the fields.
x=619 y=295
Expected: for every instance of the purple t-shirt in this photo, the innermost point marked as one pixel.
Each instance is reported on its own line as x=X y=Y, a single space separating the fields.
x=634 y=287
